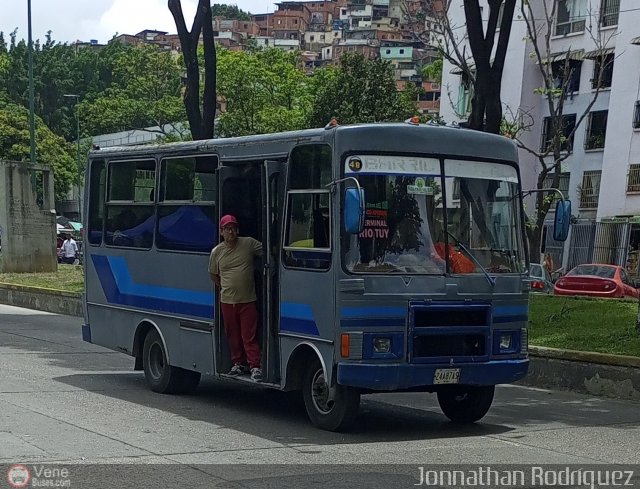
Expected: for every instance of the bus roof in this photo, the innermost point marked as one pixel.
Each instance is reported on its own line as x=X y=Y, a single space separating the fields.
x=402 y=137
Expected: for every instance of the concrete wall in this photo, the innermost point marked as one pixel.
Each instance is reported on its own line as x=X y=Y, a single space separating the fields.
x=56 y=301
x=28 y=233
x=585 y=372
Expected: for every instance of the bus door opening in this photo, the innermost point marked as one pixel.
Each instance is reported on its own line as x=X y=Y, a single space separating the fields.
x=244 y=193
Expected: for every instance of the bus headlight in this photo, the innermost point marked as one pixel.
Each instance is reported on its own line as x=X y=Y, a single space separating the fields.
x=382 y=345
x=506 y=341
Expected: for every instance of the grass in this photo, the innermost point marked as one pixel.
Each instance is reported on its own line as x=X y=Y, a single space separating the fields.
x=584 y=324
x=68 y=277
x=573 y=323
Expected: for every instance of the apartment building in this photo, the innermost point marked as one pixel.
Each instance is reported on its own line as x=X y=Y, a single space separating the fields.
x=164 y=40
x=601 y=175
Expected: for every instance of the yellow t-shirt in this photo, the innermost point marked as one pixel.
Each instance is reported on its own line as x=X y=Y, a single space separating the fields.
x=235 y=267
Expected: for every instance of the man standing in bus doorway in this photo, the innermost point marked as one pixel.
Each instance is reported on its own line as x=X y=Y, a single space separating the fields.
x=231 y=269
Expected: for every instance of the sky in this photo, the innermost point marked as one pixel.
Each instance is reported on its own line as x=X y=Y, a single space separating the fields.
x=72 y=20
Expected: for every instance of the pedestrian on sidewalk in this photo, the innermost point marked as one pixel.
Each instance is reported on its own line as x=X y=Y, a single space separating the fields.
x=69 y=250
x=231 y=270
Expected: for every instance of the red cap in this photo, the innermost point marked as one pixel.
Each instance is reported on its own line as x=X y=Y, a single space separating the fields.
x=228 y=219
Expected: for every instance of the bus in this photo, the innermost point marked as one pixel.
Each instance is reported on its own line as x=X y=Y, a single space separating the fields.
x=395 y=259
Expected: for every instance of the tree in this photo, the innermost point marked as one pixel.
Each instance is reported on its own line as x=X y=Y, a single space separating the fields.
x=264 y=91
x=482 y=69
x=360 y=90
x=59 y=69
x=52 y=150
x=229 y=12
x=557 y=73
x=432 y=71
x=145 y=93
x=201 y=111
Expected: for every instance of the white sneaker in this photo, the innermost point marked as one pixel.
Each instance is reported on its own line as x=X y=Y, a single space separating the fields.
x=238 y=369
x=256 y=374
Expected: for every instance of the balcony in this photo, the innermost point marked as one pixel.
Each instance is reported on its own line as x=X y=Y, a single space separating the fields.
x=590 y=189
x=633 y=179
x=609 y=13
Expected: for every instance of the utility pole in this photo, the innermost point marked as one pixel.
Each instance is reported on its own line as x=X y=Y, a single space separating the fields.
x=32 y=121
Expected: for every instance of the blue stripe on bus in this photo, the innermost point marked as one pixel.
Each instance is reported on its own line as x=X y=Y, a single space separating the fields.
x=380 y=316
x=367 y=312
x=521 y=310
x=119 y=288
x=298 y=318
x=372 y=321
x=510 y=314
x=126 y=285
x=510 y=319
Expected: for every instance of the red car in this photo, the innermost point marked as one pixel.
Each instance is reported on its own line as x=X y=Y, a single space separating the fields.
x=597 y=280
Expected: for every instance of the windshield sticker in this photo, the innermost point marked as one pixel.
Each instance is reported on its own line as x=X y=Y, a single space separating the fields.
x=399 y=165
x=376 y=224
x=419 y=188
x=355 y=164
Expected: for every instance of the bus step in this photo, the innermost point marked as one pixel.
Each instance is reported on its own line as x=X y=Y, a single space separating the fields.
x=247 y=379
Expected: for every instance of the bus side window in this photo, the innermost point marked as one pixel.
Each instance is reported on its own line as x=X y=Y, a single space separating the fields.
x=186 y=205
x=95 y=220
x=130 y=216
x=308 y=232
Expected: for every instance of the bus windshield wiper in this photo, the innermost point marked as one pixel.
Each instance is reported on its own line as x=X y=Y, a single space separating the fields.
x=490 y=279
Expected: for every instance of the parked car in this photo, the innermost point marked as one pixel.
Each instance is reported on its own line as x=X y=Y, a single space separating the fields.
x=540 y=279
x=597 y=280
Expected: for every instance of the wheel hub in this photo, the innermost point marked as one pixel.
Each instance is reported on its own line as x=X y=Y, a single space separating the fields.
x=156 y=361
x=320 y=393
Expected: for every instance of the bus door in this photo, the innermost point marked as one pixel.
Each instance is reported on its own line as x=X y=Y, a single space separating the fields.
x=272 y=191
x=248 y=191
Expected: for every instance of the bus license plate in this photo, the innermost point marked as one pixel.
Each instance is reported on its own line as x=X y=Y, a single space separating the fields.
x=446 y=376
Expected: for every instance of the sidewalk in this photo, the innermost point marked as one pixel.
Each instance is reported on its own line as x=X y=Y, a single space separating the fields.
x=592 y=373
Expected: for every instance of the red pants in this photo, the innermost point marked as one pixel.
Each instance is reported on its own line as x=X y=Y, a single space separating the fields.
x=240 y=325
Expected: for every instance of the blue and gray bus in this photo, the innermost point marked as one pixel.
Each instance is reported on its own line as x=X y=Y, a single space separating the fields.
x=395 y=260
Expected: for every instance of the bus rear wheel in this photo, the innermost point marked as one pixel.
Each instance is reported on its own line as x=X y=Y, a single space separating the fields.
x=335 y=414
x=160 y=376
x=465 y=403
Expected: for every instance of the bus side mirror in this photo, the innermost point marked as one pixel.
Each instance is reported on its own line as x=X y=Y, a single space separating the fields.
x=561 y=220
x=353 y=210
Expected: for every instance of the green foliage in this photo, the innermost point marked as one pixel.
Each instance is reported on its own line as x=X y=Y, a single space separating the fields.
x=433 y=71
x=584 y=324
x=360 y=90
x=68 y=277
x=51 y=149
x=229 y=12
x=265 y=91
x=145 y=91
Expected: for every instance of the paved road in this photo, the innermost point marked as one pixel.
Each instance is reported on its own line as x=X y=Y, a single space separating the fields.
x=65 y=401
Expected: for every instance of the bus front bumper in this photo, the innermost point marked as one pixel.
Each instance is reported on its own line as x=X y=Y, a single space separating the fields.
x=382 y=377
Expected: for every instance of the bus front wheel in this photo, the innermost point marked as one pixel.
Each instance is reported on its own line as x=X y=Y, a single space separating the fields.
x=465 y=403
x=331 y=414
x=160 y=376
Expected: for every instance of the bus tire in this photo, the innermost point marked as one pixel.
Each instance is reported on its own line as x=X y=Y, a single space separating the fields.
x=465 y=403
x=330 y=415
x=160 y=376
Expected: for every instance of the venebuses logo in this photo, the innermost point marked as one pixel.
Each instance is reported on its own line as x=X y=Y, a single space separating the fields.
x=18 y=475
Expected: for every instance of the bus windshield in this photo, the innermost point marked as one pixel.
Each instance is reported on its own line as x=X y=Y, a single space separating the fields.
x=404 y=229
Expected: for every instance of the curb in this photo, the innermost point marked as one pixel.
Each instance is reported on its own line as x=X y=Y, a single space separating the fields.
x=585 y=356
x=41 y=299
x=598 y=374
